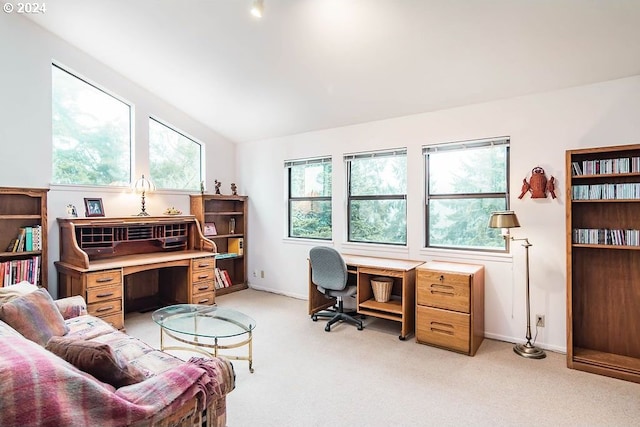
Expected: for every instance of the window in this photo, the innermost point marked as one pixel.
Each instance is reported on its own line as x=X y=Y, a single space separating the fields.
x=310 y=198
x=91 y=133
x=175 y=160
x=377 y=197
x=466 y=181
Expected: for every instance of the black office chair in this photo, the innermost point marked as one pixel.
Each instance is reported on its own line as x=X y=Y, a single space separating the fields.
x=329 y=274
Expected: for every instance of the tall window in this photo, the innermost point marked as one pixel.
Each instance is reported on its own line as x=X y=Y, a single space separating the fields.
x=310 y=198
x=175 y=160
x=377 y=197
x=466 y=181
x=91 y=133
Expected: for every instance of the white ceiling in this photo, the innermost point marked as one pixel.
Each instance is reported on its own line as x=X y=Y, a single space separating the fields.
x=316 y=64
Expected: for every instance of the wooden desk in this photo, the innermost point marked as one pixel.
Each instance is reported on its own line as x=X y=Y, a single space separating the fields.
x=99 y=256
x=401 y=306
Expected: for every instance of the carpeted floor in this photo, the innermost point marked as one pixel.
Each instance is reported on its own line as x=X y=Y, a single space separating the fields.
x=307 y=377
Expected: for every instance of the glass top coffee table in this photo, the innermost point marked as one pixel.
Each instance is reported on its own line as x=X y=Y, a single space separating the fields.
x=206 y=327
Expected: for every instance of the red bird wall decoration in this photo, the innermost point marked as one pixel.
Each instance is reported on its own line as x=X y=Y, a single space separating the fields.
x=538 y=185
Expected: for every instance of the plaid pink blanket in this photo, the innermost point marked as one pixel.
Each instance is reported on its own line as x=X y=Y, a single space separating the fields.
x=38 y=388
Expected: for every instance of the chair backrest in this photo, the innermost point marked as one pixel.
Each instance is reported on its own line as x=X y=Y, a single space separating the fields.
x=328 y=269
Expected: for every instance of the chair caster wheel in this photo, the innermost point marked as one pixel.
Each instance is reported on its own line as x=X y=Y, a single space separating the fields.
x=314 y=318
x=360 y=327
x=327 y=328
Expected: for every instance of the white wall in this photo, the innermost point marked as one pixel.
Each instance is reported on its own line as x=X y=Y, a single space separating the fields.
x=26 y=52
x=541 y=128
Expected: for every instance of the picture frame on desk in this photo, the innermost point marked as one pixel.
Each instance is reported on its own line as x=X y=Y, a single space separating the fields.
x=94 y=207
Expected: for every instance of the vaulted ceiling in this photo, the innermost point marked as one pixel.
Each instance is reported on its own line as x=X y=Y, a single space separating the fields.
x=316 y=64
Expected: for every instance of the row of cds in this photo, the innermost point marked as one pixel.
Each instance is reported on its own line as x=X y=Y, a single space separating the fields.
x=606 y=166
x=606 y=191
x=602 y=236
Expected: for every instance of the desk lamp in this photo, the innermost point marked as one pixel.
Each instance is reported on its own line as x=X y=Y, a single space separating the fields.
x=143 y=185
x=506 y=220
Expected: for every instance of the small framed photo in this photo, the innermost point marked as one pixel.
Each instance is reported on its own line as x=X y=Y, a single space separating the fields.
x=94 y=207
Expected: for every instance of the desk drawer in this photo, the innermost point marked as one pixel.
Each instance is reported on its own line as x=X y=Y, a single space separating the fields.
x=202 y=287
x=206 y=263
x=104 y=293
x=101 y=278
x=203 y=276
x=450 y=291
x=443 y=328
x=102 y=309
x=207 y=298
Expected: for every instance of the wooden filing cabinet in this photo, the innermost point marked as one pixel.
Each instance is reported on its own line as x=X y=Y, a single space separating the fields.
x=103 y=294
x=450 y=306
x=203 y=281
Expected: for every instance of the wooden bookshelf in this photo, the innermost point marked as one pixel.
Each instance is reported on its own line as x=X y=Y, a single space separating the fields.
x=223 y=219
x=21 y=208
x=603 y=261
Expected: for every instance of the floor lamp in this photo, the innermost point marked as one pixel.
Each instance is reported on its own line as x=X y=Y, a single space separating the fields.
x=506 y=220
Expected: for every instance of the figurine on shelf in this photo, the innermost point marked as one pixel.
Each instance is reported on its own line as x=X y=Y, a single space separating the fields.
x=217 y=185
x=72 y=212
x=234 y=189
x=201 y=187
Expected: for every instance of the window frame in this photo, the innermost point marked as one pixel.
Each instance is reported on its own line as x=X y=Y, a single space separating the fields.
x=348 y=158
x=130 y=115
x=462 y=145
x=201 y=149
x=289 y=164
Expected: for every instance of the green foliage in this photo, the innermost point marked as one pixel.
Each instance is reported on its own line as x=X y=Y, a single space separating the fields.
x=460 y=217
x=174 y=159
x=91 y=134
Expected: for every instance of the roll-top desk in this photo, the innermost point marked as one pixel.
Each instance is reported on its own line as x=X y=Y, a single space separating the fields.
x=109 y=260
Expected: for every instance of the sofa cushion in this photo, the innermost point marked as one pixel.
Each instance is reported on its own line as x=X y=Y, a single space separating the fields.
x=8 y=293
x=97 y=359
x=35 y=316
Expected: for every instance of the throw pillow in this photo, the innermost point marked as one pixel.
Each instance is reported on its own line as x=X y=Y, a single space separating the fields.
x=97 y=359
x=35 y=316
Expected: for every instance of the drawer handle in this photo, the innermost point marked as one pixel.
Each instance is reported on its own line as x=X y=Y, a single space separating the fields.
x=442 y=290
x=437 y=328
x=101 y=309
x=203 y=288
x=108 y=294
x=204 y=265
x=104 y=280
x=203 y=276
x=202 y=301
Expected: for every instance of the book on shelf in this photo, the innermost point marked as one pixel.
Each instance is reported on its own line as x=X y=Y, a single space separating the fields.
x=219 y=281
x=224 y=255
x=227 y=278
x=236 y=245
x=11 y=245
x=20 y=270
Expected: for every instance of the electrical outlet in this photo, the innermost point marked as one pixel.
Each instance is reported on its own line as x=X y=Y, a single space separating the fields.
x=262 y=274
x=540 y=320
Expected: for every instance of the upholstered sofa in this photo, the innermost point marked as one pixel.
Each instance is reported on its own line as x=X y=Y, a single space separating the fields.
x=76 y=370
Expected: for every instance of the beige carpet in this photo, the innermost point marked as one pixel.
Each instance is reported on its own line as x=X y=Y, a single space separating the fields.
x=305 y=376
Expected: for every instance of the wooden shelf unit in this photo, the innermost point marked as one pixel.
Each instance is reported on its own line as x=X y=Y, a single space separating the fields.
x=221 y=210
x=603 y=273
x=24 y=207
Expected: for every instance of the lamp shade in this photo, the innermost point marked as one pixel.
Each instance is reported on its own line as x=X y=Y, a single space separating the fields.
x=504 y=219
x=143 y=185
